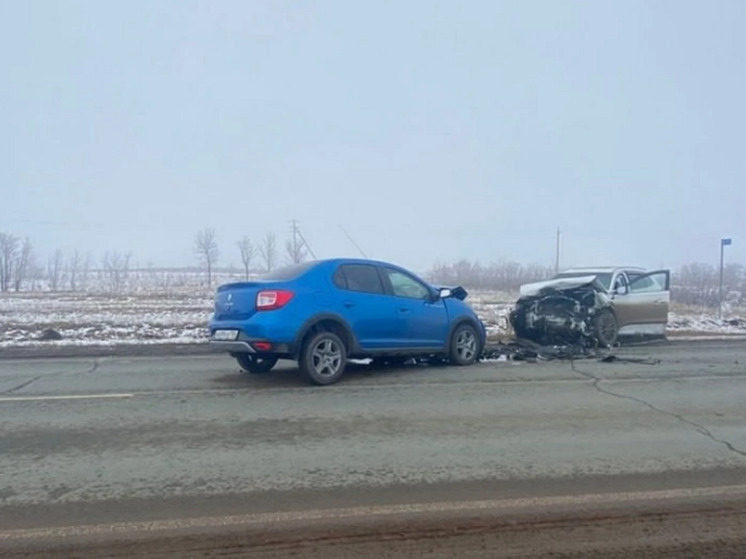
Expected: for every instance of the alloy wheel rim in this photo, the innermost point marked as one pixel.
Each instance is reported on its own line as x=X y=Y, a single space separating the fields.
x=326 y=358
x=466 y=344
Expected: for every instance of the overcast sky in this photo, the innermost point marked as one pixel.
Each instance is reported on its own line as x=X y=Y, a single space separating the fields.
x=430 y=131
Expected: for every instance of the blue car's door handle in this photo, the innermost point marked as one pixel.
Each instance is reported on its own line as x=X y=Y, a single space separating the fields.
x=348 y=304
x=404 y=309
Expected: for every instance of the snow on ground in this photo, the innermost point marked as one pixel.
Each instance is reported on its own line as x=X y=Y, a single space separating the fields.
x=179 y=316
x=707 y=322
x=493 y=307
x=88 y=319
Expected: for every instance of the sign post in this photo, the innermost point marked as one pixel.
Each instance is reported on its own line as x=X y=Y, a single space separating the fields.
x=723 y=243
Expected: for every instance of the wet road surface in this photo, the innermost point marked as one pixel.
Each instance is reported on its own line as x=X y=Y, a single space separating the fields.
x=158 y=450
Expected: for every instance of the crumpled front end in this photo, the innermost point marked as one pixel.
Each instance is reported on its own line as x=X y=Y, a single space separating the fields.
x=560 y=313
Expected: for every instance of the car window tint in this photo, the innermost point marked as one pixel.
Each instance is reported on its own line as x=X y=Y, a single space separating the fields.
x=655 y=282
x=406 y=286
x=362 y=277
x=288 y=272
x=339 y=279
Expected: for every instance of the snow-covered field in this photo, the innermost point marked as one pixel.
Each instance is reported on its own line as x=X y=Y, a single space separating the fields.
x=180 y=315
x=87 y=319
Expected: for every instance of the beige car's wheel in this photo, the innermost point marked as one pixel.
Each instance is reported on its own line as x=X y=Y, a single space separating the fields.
x=605 y=328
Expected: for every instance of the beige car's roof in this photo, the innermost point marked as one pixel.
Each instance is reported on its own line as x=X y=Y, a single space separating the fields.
x=601 y=270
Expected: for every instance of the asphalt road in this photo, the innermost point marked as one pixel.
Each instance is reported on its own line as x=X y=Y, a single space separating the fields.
x=185 y=455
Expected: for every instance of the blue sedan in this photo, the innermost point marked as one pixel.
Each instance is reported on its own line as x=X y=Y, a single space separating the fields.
x=323 y=313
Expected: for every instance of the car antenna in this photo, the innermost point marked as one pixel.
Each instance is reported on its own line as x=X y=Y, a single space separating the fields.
x=353 y=241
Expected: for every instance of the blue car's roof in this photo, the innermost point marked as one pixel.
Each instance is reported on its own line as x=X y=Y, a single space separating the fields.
x=337 y=261
x=289 y=273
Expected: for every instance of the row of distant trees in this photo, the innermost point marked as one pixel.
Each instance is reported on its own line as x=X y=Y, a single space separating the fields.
x=695 y=284
x=499 y=276
x=699 y=284
x=207 y=250
x=21 y=270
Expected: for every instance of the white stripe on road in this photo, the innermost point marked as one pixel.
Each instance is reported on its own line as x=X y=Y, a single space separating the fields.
x=543 y=503
x=64 y=397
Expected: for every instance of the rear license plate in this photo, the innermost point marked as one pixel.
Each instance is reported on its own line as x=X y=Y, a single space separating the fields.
x=225 y=335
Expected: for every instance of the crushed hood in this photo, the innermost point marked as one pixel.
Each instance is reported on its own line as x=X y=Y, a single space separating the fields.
x=559 y=311
x=560 y=284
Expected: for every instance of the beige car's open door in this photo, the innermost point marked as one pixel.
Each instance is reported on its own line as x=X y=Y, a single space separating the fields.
x=645 y=300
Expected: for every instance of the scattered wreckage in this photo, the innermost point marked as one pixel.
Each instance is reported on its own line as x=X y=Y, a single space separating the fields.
x=588 y=308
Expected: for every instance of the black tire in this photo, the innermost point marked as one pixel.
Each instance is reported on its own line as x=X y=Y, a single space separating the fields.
x=254 y=364
x=605 y=328
x=464 y=345
x=323 y=358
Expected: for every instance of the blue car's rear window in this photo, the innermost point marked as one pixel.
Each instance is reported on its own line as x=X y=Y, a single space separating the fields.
x=288 y=272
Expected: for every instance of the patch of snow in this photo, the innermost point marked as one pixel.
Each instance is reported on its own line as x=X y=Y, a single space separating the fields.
x=180 y=316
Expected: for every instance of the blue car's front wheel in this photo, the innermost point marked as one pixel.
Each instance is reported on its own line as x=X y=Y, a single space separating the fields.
x=464 y=348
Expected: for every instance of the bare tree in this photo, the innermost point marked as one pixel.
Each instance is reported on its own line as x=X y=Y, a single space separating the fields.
x=85 y=271
x=8 y=257
x=35 y=275
x=268 y=251
x=247 y=254
x=116 y=269
x=206 y=249
x=73 y=269
x=55 y=265
x=23 y=264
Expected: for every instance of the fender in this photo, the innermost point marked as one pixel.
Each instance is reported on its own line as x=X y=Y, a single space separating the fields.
x=295 y=347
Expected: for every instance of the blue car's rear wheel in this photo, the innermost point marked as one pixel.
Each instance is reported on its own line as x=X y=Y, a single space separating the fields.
x=254 y=364
x=323 y=358
x=464 y=348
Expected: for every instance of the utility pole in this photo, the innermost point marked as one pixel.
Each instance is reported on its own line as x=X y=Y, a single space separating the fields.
x=557 y=254
x=298 y=235
x=295 y=236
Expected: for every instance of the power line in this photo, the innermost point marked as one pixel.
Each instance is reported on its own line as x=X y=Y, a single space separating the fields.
x=353 y=241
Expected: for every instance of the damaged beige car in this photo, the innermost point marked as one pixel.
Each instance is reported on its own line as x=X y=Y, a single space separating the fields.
x=593 y=306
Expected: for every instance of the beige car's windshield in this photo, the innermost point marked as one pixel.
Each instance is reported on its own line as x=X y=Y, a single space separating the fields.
x=603 y=278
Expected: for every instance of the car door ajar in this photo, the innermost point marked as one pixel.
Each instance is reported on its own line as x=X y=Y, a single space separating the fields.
x=646 y=299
